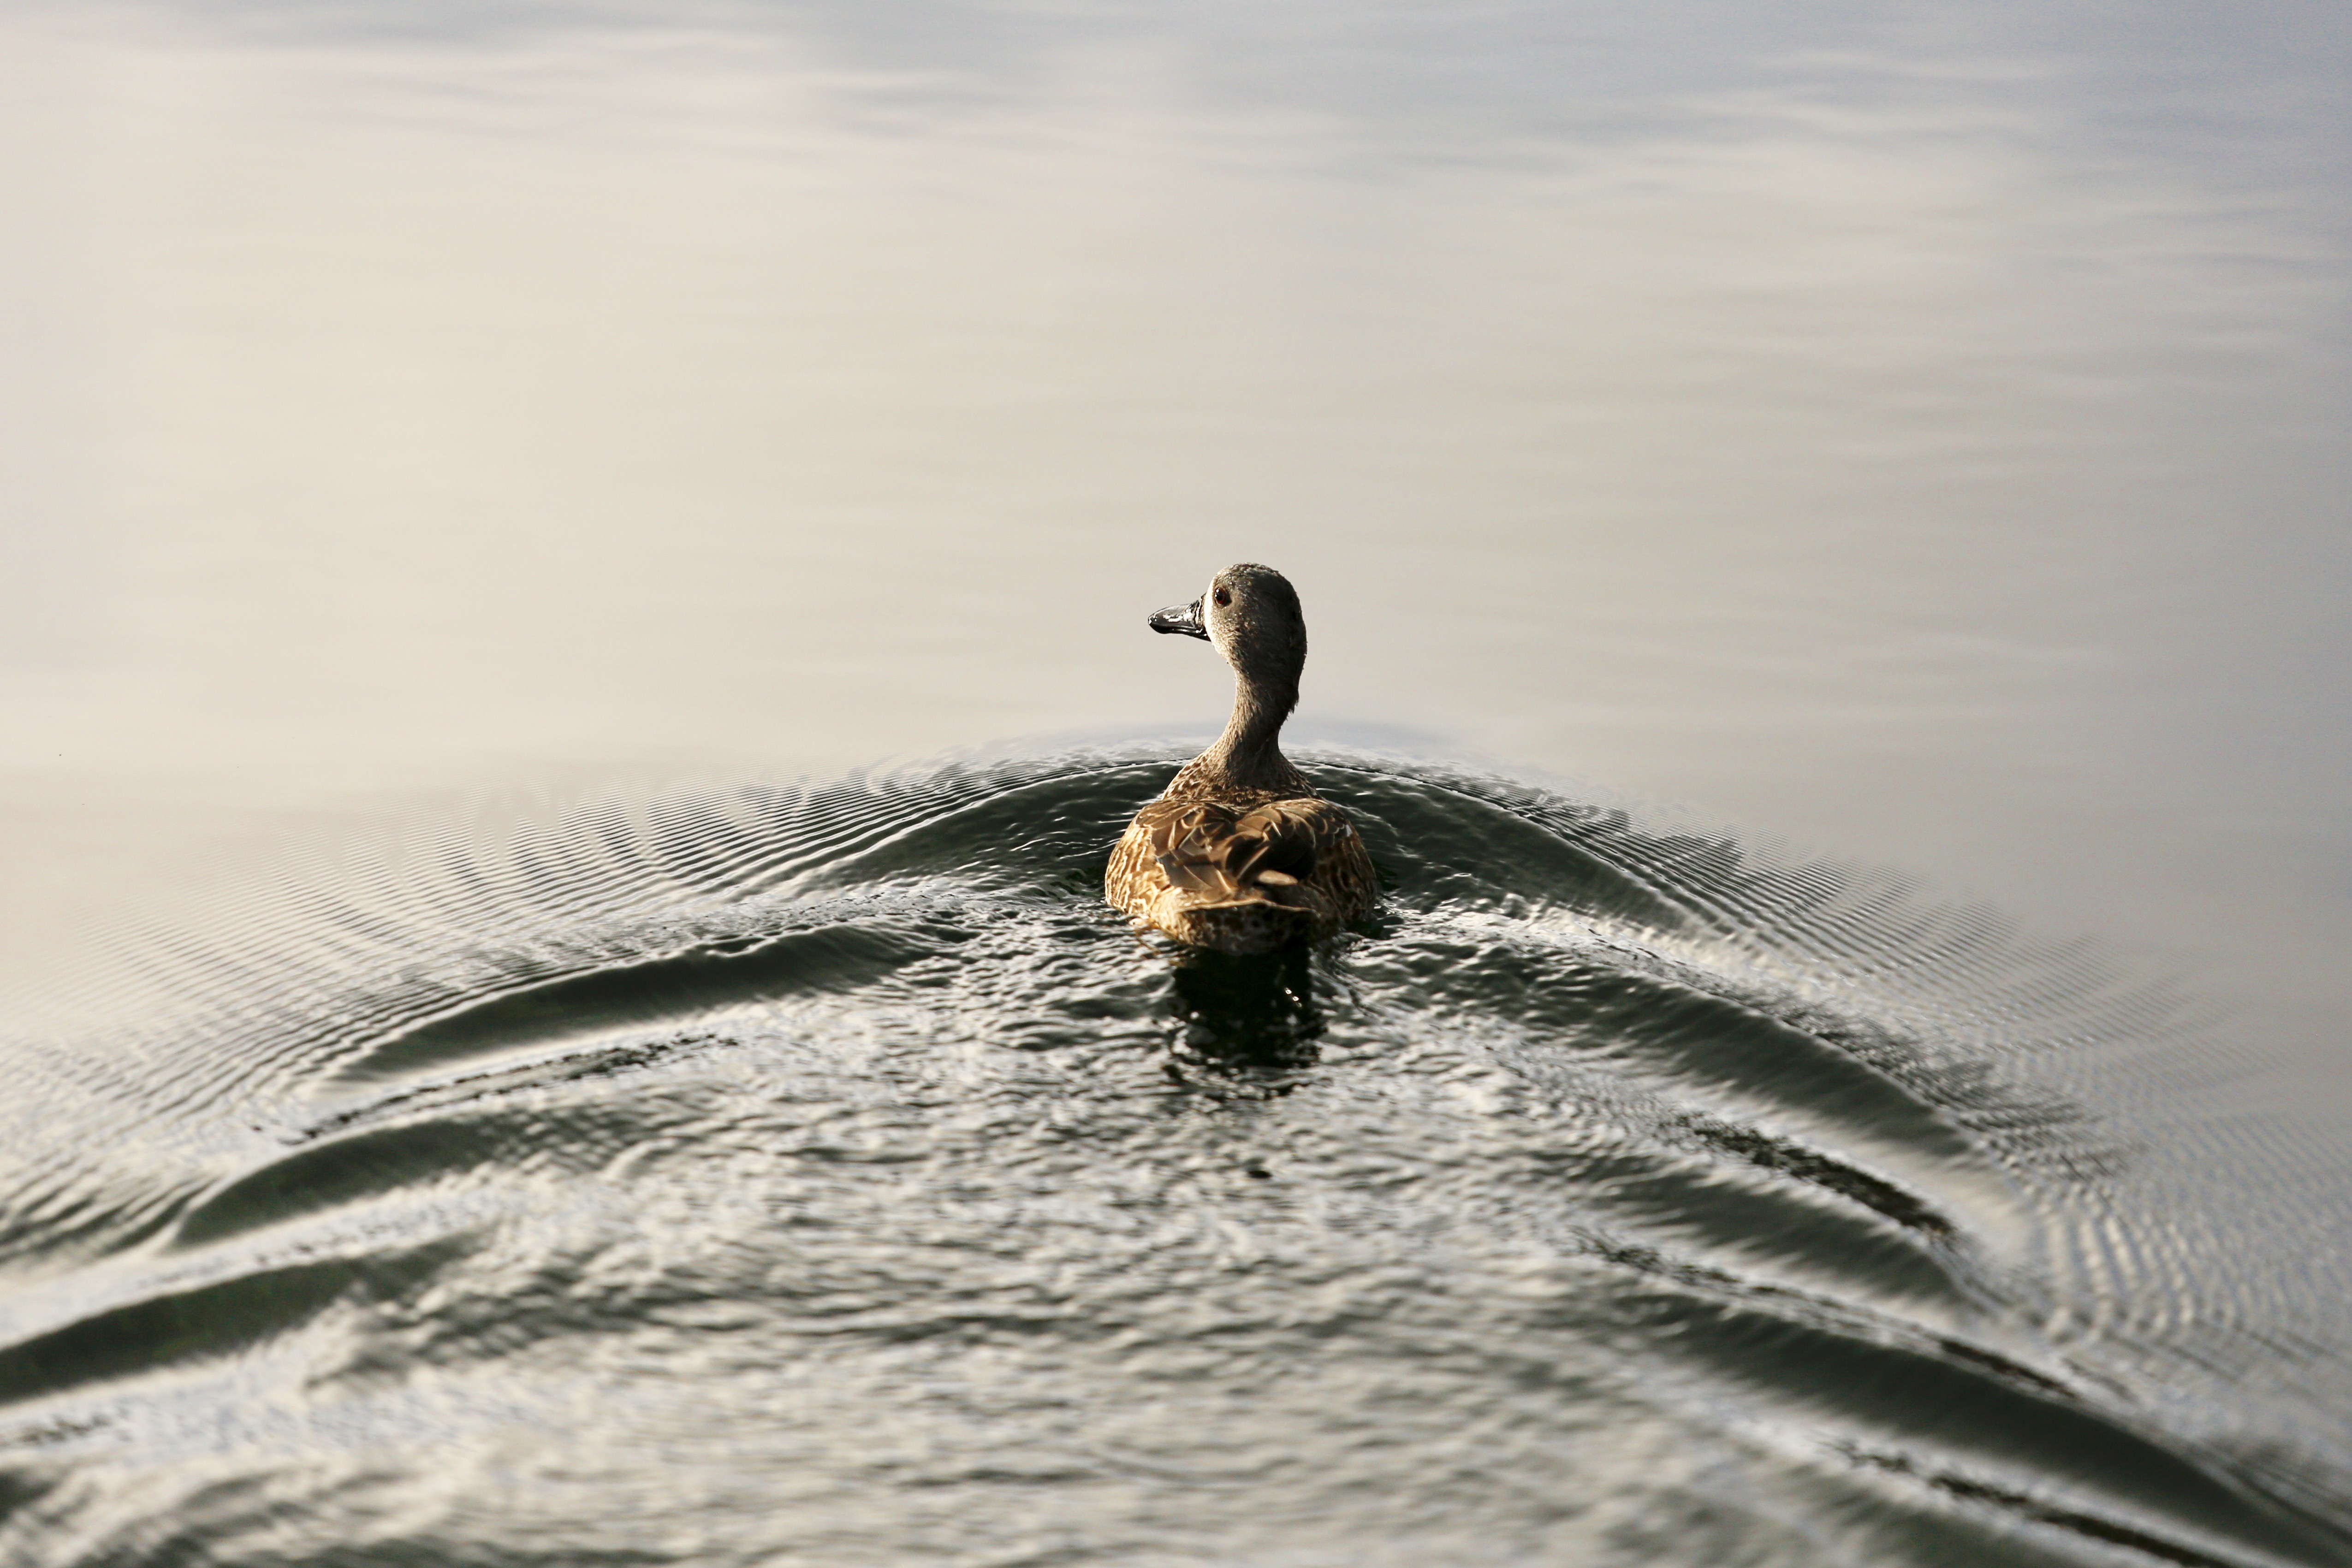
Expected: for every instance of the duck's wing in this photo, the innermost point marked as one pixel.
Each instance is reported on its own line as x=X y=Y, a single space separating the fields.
x=1241 y=877
x=1218 y=853
x=1191 y=841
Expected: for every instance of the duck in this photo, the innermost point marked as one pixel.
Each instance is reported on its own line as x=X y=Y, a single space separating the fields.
x=1240 y=854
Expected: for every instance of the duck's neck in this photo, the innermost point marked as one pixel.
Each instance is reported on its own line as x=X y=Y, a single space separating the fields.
x=1248 y=756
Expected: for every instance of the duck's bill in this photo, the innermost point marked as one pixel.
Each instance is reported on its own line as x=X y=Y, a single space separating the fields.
x=1180 y=618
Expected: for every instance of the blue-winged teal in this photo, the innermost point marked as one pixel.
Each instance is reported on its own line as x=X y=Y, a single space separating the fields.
x=1239 y=853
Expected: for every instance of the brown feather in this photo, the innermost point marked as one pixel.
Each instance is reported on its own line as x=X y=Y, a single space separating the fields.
x=1242 y=876
x=1239 y=853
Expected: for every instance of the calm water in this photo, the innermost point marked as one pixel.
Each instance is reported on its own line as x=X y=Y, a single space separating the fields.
x=429 y=435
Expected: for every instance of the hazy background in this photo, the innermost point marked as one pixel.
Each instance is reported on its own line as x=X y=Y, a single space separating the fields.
x=1917 y=434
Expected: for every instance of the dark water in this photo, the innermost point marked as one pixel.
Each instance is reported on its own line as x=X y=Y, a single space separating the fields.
x=766 y=1175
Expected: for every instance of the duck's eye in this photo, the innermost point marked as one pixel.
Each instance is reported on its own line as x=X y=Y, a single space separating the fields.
x=1224 y=597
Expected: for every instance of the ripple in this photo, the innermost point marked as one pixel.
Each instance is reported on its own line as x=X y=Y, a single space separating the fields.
x=727 y=1171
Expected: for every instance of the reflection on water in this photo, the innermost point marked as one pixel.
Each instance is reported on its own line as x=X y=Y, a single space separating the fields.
x=1917 y=433
x=829 y=1176
x=1256 y=1011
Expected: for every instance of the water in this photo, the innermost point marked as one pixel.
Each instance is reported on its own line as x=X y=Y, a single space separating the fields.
x=762 y=1176
x=438 y=1133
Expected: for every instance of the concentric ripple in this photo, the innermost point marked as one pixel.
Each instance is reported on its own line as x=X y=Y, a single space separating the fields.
x=825 y=1175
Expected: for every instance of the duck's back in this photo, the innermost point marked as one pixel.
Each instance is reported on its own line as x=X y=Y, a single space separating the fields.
x=1242 y=873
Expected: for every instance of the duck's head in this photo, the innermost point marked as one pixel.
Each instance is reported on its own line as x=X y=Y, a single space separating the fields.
x=1251 y=614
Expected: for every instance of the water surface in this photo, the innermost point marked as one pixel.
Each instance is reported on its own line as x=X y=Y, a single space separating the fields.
x=428 y=433
x=828 y=1176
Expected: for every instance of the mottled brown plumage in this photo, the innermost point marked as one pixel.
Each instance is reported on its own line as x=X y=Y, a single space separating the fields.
x=1239 y=853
